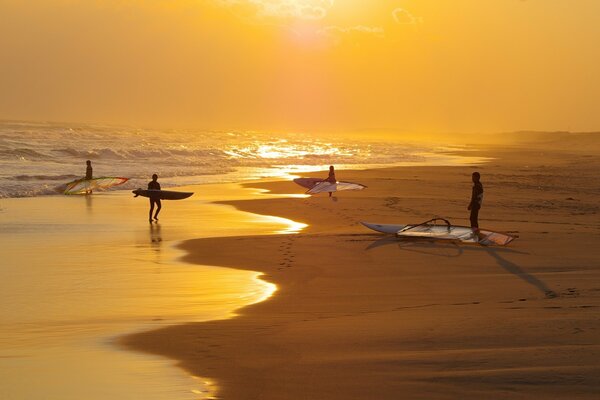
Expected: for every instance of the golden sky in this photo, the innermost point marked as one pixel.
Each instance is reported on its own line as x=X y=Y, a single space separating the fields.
x=295 y=65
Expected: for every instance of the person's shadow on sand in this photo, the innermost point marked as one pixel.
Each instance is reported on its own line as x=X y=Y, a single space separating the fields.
x=456 y=250
x=518 y=271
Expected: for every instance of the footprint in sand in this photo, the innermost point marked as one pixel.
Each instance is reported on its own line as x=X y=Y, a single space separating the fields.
x=287 y=253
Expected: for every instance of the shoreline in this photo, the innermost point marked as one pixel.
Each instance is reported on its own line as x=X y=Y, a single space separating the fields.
x=101 y=271
x=357 y=315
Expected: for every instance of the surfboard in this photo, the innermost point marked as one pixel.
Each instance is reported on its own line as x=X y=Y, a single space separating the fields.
x=463 y=234
x=162 y=194
x=384 y=228
x=325 y=187
x=83 y=186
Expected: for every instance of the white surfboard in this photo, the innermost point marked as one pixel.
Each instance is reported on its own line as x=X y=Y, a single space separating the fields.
x=384 y=228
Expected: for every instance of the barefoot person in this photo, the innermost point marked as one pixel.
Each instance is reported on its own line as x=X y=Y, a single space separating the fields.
x=154 y=185
x=331 y=177
x=476 y=201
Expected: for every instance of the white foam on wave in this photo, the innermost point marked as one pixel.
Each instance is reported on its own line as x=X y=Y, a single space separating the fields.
x=35 y=158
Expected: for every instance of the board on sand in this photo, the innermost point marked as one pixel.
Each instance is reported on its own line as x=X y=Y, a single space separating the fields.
x=447 y=231
x=325 y=187
x=162 y=194
x=83 y=186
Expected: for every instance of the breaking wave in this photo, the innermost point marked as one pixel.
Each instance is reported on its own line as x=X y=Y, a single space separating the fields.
x=38 y=159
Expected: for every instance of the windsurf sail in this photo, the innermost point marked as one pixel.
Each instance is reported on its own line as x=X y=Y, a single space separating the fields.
x=308 y=183
x=444 y=231
x=82 y=186
x=324 y=187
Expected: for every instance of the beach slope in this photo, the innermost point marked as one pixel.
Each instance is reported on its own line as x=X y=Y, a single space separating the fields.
x=358 y=315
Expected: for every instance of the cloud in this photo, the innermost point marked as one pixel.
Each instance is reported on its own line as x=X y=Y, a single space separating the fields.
x=355 y=33
x=404 y=17
x=303 y=9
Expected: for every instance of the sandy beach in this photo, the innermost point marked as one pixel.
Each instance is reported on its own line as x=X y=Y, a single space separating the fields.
x=361 y=316
x=77 y=272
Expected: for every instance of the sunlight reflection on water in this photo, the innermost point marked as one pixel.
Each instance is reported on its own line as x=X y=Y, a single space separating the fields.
x=99 y=271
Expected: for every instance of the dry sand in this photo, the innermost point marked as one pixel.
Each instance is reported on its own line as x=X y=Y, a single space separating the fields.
x=361 y=316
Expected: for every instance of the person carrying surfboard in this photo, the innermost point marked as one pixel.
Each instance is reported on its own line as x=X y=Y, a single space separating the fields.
x=331 y=178
x=476 y=201
x=154 y=185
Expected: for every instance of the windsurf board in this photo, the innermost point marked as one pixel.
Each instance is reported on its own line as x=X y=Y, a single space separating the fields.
x=443 y=232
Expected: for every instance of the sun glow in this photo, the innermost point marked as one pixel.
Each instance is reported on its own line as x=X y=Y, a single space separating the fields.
x=303 y=9
x=283 y=149
x=317 y=66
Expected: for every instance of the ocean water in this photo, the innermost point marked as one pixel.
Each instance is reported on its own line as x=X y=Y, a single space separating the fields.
x=39 y=158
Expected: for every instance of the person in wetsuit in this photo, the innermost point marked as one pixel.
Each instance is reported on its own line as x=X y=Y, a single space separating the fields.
x=154 y=185
x=476 y=201
x=331 y=177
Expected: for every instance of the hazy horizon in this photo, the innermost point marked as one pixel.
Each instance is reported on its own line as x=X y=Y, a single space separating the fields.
x=303 y=65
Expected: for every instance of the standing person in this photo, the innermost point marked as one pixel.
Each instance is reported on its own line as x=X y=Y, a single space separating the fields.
x=154 y=185
x=88 y=175
x=88 y=170
x=476 y=201
x=331 y=177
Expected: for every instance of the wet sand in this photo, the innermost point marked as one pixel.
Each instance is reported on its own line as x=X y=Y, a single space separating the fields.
x=361 y=316
x=76 y=272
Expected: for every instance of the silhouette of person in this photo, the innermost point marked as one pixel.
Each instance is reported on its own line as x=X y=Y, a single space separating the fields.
x=88 y=175
x=331 y=177
x=88 y=170
x=154 y=199
x=476 y=201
